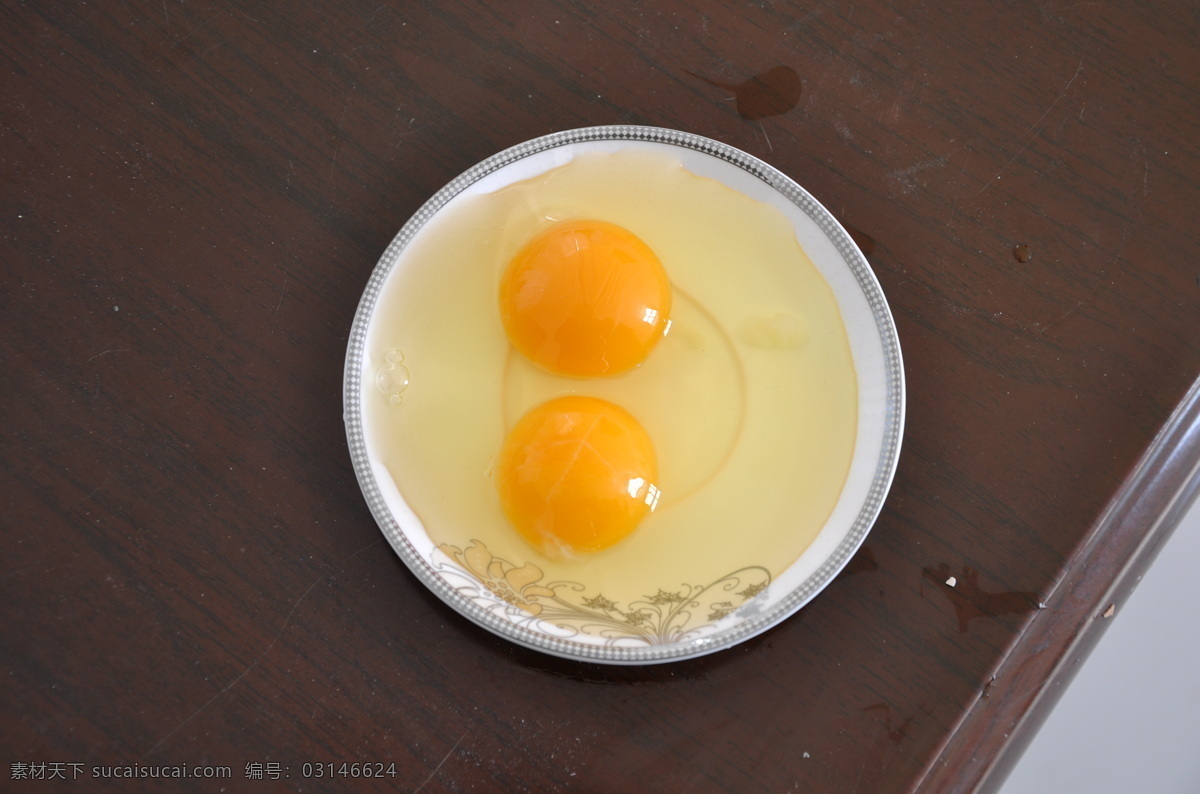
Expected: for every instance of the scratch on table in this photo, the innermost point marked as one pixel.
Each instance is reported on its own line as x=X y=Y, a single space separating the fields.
x=1068 y=313
x=282 y=292
x=370 y=19
x=596 y=71
x=261 y=656
x=337 y=142
x=243 y=13
x=1036 y=130
x=96 y=490
x=240 y=675
x=375 y=542
x=764 y=132
x=441 y=763
x=194 y=30
x=106 y=352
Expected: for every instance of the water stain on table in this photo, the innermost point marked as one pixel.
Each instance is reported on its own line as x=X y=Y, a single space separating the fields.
x=771 y=93
x=864 y=241
x=862 y=562
x=970 y=601
x=895 y=734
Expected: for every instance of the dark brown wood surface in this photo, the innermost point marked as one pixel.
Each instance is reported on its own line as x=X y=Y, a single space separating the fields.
x=192 y=196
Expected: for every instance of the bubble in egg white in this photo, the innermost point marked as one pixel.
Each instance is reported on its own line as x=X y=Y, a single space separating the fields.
x=393 y=377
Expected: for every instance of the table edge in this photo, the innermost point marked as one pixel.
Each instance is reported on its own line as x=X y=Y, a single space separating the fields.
x=984 y=747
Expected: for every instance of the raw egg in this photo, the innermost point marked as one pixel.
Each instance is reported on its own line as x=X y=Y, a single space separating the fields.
x=585 y=298
x=576 y=474
x=744 y=415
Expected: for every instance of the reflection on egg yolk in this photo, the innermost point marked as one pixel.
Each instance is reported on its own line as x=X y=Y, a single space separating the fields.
x=585 y=298
x=576 y=475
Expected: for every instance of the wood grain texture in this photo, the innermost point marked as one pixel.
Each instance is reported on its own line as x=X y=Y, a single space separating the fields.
x=194 y=194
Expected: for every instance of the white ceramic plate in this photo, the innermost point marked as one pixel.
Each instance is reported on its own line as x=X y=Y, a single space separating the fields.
x=688 y=623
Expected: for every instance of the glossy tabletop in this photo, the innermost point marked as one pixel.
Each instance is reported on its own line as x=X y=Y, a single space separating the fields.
x=193 y=196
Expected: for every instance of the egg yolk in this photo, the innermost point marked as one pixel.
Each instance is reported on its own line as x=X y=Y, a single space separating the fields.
x=576 y=475
x=585 y=298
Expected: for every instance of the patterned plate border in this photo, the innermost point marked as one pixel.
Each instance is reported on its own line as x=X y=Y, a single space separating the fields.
x=743 y=623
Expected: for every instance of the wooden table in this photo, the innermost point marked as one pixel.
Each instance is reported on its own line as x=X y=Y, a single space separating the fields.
x=194 y=195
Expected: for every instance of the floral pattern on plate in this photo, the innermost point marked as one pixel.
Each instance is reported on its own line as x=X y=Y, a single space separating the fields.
x=570 y=609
